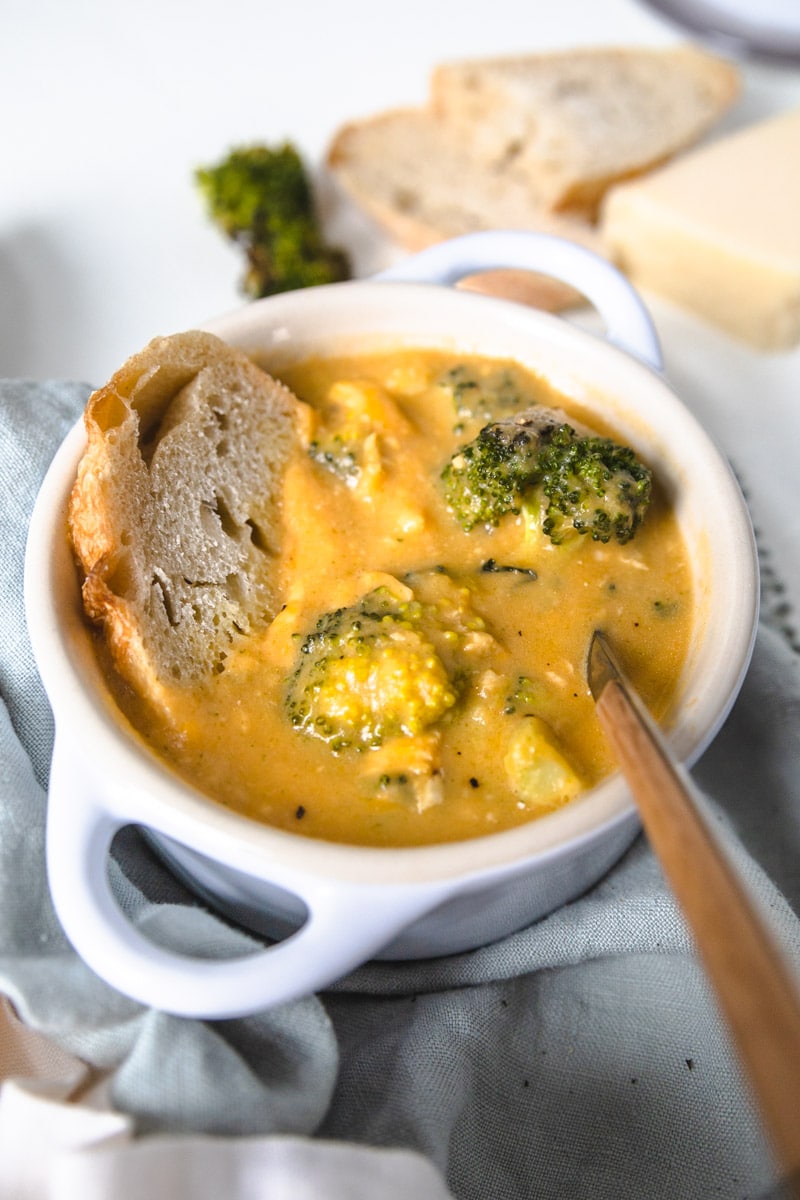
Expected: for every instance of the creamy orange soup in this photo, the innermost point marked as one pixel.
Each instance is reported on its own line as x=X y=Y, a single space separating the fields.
x=475 y=715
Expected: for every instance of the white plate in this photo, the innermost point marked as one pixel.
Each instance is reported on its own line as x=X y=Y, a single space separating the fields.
x=769 y=28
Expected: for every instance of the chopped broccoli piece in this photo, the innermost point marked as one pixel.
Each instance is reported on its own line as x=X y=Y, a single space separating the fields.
x=349 y=428
x=368 y=672
x=525 y=696
x=337 y=456
x=492 y=567
x=261 y=198
x=484 y=479
x=665 y=608
x=592 y=485
x=481 y=395
x=580 y=482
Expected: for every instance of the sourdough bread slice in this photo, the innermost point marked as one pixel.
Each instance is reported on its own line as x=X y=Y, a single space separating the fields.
x=175 y=513
x=421 y=184
x=568 y=124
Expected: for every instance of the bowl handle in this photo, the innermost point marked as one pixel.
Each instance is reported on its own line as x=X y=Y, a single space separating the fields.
x=627 y=321
x=346 y=926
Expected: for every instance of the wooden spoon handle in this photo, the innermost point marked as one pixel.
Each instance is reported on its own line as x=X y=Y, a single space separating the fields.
x=755 y=990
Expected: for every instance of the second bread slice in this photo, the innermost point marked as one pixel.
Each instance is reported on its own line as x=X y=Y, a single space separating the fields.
x=568 y=124
x=421 y=185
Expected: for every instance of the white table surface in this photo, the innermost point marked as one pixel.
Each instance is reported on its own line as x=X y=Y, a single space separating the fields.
x=107 y=108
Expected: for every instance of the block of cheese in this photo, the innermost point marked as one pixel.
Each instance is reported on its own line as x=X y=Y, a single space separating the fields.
x=718 y=232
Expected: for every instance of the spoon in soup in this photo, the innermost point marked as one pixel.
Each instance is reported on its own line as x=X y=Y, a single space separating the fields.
x=754 y=987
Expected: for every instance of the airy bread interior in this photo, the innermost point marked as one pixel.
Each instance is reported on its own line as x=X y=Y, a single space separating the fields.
x=175 y=514
x=421 y=185
x=569 y=124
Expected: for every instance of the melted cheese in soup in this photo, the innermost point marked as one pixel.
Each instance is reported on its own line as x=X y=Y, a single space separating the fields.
x=422 y=683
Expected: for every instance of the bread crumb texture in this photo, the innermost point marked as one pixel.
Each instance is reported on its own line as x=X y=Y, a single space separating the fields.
x=570 y=123
x=175 y=513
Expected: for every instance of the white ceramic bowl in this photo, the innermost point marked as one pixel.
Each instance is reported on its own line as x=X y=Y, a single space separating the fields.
x=337 y=906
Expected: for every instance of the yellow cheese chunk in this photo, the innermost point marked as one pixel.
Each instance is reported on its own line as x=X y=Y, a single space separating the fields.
x=718 y=232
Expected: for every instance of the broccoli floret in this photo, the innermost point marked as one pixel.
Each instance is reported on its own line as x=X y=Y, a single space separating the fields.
x=349 y=428
x=580 y=482
x=261 y=198
x=368 y=672
x=481 y=395
x=336 y=455
x=592 y=485
x=485 y=479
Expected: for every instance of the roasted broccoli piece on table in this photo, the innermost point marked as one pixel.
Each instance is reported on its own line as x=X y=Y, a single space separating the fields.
x=261 y=198
x=580 y=482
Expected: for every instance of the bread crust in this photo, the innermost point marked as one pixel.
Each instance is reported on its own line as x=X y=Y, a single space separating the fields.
x=528 y=142
x=571 y=123
x=174 y=517
x=403 y=168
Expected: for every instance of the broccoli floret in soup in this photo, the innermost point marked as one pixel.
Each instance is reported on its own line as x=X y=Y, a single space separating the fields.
x=537 y=464
x=367 y=673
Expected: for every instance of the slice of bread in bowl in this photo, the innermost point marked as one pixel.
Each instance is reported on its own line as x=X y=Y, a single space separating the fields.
x=175 y=513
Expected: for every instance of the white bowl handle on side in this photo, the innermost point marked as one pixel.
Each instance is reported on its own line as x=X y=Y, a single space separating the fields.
x=627 y=321
x=345 y=926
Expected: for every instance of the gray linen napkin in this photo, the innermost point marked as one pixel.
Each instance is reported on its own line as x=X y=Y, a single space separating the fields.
x=582 y=1056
